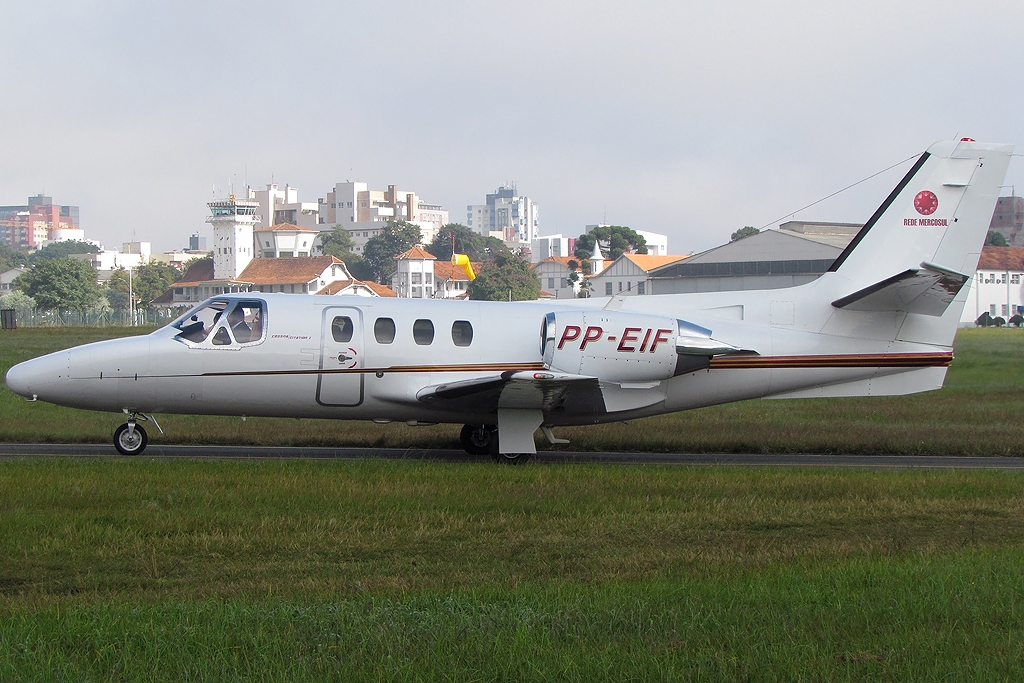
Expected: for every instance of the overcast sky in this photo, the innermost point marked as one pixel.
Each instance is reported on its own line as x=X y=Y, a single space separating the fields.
x=690 y=119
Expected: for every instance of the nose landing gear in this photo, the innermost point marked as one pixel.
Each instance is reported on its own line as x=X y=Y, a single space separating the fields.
x=130 y=438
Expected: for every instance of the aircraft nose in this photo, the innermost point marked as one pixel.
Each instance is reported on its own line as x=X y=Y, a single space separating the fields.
x=30 y=377
x=20 y=378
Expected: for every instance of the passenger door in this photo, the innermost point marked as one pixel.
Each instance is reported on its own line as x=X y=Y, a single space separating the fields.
x=341 y=358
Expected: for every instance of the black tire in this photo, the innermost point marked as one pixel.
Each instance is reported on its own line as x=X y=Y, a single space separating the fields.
x=476 y=439
x=133 y=445
x=511 y=458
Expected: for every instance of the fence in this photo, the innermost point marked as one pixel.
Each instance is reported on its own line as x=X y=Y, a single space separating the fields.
x=39 y=318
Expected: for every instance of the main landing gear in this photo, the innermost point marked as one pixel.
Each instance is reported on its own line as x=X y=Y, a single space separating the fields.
x=483 y=439
x=130 y=438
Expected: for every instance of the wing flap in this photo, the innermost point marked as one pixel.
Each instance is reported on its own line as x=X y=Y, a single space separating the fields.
x=548 y=391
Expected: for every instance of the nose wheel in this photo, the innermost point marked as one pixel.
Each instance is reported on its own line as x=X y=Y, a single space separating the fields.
x=130 y=439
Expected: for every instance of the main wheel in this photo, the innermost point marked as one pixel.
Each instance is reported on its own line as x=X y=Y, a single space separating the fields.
x=131 y=443
x=511 y=458
x=506 y=458
x=476 y=439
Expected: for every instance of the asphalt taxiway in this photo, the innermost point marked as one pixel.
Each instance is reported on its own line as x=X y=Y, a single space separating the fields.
x=9 y=451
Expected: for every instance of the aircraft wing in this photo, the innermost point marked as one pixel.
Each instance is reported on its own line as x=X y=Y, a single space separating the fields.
x=543 y=390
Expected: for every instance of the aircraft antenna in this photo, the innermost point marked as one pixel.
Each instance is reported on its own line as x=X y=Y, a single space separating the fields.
x=793 y=213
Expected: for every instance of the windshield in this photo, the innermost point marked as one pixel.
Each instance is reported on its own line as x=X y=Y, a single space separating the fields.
x=223 y=323
x=199 y=322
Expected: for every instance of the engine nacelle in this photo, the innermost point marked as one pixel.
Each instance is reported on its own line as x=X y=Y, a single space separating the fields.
x=613 y=346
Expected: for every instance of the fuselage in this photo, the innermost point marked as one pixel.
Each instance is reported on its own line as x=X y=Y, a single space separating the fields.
x=360 y=358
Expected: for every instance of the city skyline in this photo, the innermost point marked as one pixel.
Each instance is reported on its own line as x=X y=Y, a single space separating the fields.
x=690 y=122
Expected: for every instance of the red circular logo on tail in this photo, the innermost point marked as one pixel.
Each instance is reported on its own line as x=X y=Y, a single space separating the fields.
x=926 y=202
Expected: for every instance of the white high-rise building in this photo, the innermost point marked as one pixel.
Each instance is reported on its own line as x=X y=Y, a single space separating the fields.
x=233 y=221
x=282 y=205
x=364 y=212
x=505 y=215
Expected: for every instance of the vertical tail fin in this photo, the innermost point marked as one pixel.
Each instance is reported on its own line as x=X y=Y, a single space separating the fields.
x=920 y=248
x=938 y=214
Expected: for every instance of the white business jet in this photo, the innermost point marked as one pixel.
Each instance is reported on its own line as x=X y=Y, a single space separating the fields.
x=881 y=321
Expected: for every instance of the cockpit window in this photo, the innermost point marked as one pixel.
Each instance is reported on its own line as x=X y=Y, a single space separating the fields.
x=200 y=321
x=242 y=324
x=246 y=321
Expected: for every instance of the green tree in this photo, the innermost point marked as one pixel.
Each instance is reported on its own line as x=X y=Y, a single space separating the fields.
x=381 y=250
x=61 y=284
x=472 y=244
x=11 y=258
x=615 y=240
x=62 y=249
x=995 y=239
x=150 y=280
x=506 y=273
x=19 y=301
x=117 y=290
x=339 y=244
x=745 y=231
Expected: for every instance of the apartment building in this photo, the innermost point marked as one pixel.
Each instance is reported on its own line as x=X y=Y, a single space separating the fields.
x=32 y=225
x=281 y=205
x=506 y=215
x=365 y=212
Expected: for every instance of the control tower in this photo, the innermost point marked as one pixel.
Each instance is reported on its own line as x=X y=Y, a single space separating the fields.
x=233 y=220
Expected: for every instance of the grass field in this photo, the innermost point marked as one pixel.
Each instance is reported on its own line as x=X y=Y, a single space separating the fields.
x=122 y=569
x=978 y=413
x=125 y=569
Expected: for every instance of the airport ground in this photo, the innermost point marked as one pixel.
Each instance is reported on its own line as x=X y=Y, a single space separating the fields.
x=372 y=569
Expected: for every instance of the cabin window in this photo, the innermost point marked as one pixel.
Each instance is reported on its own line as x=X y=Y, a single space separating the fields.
x=384 y=330
x=423 y=332
x=462 y=333
x=341 y=329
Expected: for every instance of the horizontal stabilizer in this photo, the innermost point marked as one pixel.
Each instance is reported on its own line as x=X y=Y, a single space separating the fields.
x=927 y=290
